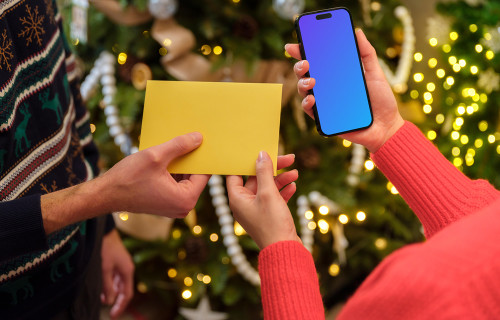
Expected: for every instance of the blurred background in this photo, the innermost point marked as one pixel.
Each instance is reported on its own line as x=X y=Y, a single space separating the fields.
x=442 y=59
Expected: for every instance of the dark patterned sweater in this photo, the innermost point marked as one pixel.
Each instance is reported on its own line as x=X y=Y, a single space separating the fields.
x=45 y=145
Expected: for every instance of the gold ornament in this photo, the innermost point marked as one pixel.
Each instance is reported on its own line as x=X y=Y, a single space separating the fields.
x=141 y=73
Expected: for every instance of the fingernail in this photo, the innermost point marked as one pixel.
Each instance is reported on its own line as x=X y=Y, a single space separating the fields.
x=286 y=46
x=305 y=81
x=304 y=101
x=261 y=156
x=196 y=136
x=300 y=64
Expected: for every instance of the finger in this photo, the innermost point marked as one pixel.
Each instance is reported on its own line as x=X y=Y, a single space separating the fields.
x=305 y=85
x=126 y=292
x=232 y=183
x=288 y=191
x=179 y=146
x=107 y=286
x=369 y=57
x=264 y=173
x=308 y=104
x=286 y=178
x=285 y=161
x=301 y=68
x=293 y=50
x=196 y=183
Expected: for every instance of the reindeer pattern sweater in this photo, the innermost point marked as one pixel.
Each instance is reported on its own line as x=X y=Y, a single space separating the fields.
x=453 y=275
x=45 y=145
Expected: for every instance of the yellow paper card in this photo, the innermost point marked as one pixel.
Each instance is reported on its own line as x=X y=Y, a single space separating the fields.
x=237 y=121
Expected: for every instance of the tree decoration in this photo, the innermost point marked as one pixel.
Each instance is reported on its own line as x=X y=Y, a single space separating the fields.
x=162 y=9
x=202 y=312
x=489 y=80
x=288 y=9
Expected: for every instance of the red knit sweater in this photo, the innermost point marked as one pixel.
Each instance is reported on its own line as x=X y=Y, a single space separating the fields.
x=453 y=275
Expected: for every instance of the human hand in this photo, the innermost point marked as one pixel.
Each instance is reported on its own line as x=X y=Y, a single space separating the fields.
x=117 y=274
x=141 y=182
x=386 y=117
x=259 y=205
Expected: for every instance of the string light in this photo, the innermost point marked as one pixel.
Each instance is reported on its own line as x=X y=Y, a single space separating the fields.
x=489 y=55
x=431 y=86
x=311 y=225
x=452 y=60
x=122 y=58
x=456 y=67
x=478 y=143
x=334 y=269
x=142 y=287
x=369 y=165
x=464 y=139
x=470 y=109
x=162 y=51
x=206 y=49
x=450 y=81
x=214 y=237
x=439 y=118
x=172 y=273
x=343 y=218
x=187 y=294
x=459 y=121
x=92 y=128
x=433 y=42
x=323 y=226
x=487 y=36
x=457 y=162
x=238 y=229
x=188 y=281
x=309 y=214
x=176 y=233
x=453 y=35
x=414 y=94
x=447 y=48
x=418 y=56
x=418 y=77
x=123 y=216
x=197 y=229
x=361 y=216
x=427 y=108
x=440 y=73
x=181 y=254
x=455 y=135
x=392 y=188
x=483 y=126
x=323 y=210
x=483 y=97
x=455 y=151
x=346 y=143
x=431 y=134
x=498 y=149
x=432 y=62
x=217 y=50
x=206 y=279
x=491 y=138
x=461 y=110
x=473 y=69
x=479 y=48
x=473 y=28
x=381 y=243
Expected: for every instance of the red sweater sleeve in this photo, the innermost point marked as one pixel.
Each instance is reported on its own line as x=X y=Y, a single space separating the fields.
x=290 y=288
x=435 y=190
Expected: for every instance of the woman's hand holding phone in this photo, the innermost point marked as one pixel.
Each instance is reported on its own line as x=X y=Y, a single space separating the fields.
x=386 y=117
x=260 y=205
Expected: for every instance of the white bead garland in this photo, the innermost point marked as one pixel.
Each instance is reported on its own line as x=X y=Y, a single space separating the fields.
x=357 y=161
x=399 y=79
x=104 y=70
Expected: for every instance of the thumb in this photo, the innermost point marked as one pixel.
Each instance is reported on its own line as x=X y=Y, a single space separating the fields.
x=181 y=145
x=264 y=172
x=369 y=57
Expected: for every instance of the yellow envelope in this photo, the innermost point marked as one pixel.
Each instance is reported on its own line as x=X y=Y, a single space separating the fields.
x=237 y=121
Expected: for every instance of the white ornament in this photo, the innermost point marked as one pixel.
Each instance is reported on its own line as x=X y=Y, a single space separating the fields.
x=162 y=9
x=399 y=79
x=288 y=9
x=202 y=312
x=474 y=3
x=439 y=27
x=357 y=160
x=494 y=41
x=489 y=80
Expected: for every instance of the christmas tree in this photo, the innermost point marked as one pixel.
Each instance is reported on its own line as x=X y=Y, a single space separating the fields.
x=349 y=216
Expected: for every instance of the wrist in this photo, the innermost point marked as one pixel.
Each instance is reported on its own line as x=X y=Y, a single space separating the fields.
x=386 y=134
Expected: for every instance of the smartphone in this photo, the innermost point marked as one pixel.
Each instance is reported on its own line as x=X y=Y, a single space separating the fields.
x=327 y=41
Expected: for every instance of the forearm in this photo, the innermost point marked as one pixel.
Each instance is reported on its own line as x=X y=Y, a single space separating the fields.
x=437 y=192
x=74 y=204
x=290 y=288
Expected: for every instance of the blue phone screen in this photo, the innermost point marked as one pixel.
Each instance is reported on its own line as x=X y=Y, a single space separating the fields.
x=329 y=45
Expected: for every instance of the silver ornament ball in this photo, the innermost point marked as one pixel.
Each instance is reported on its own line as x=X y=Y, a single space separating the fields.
x=288 y=9
x=162 y=9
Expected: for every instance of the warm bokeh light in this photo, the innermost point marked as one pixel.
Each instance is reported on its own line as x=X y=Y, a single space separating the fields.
x=188 y=281
x=343 y=219
x=309 y=214
x=172 y=273
x=186 y=294
x=369 y=165
x=323 y=210
x=433 y=42
x=418 y=56
x=238 y=229
x=361 y=216
x=334 y=269
x=214 y=237
x=122 y=58
x=123 y=216
x=197 y=229
x=431 y=134
x=432 y=62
